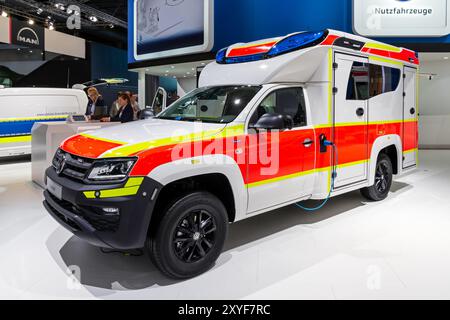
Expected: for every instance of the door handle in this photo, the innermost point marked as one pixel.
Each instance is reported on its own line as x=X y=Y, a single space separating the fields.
x=412 y=111
x=360 y=112
x=308 y=143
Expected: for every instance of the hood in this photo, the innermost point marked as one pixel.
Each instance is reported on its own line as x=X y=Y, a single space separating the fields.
x=129 y=139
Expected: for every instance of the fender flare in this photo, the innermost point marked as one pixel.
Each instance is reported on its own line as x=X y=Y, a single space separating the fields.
x=379 y=144
x=202 y=165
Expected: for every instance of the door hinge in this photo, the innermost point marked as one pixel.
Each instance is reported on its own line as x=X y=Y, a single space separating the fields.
x=404 y=76
x=335 y=90
x=404 y=94
x=335 y=65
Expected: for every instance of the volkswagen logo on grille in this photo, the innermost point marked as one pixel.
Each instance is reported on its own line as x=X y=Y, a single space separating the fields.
x=62 y=165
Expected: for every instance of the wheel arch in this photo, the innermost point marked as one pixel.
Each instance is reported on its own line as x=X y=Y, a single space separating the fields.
x=391 y=145
x=218 y=174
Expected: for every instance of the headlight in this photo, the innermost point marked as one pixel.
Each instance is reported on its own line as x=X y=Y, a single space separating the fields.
x=111 y=170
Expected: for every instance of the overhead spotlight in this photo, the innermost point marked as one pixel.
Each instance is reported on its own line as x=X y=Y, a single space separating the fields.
x=93 y=18
x=4 y=14
x=39 y=11
x=111 y=26
x=60 y=6
x=51 y=26
x=30 y=22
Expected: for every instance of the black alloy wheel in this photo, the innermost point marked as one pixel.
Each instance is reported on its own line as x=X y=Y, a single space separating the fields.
x=194 y=236
x=383 y=180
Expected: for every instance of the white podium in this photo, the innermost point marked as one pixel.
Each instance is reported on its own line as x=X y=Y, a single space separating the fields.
x=46 y=138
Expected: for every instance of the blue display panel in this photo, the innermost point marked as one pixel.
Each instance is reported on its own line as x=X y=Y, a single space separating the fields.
x=164 y=28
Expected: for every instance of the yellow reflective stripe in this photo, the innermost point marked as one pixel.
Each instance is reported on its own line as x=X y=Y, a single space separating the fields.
x=119 y=192
x=113 y=193
x=330 y=102
x=304 y=173
x=384 y=60
x=62 y=117
x=410 y=151
x=101 y=139
x=350 y=124
x=381 y=46
x=133 y=182
x=193 y=137
x=15 y=139
x=350 y=164
x=89 y=194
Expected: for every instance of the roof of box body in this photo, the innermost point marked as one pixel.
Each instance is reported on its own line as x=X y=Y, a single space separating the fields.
x=293 y=58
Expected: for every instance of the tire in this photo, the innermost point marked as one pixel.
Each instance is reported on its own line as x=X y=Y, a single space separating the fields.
x=383 y=180
x=199 y=222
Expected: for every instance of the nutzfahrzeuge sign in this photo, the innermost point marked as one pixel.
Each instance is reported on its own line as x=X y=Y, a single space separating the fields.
x=401 y=18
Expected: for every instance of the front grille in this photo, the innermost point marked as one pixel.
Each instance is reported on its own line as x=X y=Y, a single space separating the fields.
x=71 y=166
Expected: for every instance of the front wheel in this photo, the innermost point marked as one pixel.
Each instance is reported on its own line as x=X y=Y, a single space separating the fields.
x=190 y=236
x=383 y=180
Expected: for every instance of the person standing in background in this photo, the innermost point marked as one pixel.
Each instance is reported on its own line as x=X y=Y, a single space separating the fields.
x=134 y=104
x=95 y=101
x=125 y=113
x=115 y=106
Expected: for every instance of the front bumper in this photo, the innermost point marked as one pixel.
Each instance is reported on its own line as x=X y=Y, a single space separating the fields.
x=83 y=216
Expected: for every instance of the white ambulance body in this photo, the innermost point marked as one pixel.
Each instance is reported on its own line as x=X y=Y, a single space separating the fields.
x=335 y=113
x=20 y=108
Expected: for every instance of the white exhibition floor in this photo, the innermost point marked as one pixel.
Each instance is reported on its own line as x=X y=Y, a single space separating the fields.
x=399 y=248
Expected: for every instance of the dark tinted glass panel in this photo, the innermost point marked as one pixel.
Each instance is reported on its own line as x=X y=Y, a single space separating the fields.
x=289 y=101
x=358 y=82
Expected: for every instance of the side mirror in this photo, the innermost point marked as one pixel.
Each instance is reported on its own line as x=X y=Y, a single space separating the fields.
x=146 y=114
x=274 y=121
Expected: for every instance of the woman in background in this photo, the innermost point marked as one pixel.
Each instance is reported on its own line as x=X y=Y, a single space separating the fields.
x=125 y=113
x=95 y=101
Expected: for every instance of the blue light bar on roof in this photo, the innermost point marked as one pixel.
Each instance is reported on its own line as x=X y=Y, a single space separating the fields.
x=291 y=43
x=295 y=42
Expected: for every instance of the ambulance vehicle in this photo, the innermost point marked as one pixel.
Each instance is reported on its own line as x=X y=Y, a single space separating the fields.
x=20 y=108
x=275 y=122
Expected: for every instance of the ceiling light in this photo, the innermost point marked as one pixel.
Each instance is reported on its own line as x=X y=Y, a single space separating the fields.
x=202 y=63
x=173 y=67
x=39 y=11
x=111 y=26
x=4 y=14
x=51 y=27
x=188 y=73
x=30 y=21
x=93 y=18
x=445 y=58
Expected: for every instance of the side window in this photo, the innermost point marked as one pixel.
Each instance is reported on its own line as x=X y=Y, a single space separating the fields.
x=358 y=82
x=289 y=101
x=383 y=79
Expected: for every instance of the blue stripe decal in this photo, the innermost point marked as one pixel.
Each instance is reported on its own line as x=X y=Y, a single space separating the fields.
x=15 y=128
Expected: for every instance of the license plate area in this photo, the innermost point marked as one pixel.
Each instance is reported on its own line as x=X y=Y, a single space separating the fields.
x=54 y=188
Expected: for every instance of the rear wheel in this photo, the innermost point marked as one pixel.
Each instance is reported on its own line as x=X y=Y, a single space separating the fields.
x=383 y=180
x=190 y=235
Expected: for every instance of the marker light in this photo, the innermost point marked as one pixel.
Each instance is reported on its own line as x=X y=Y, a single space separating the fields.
x=220 y=56
x=296 y=41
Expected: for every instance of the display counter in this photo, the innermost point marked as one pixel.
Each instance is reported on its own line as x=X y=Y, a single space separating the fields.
x=46 y=138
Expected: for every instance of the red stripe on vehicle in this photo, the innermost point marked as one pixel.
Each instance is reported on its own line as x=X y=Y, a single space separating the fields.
x=329 y=40
x=87 y=147
x=250 y=50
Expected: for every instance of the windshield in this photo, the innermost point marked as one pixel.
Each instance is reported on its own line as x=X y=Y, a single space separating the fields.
x=211 y=104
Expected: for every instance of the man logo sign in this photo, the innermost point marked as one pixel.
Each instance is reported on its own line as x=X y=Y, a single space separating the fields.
x=28 y=36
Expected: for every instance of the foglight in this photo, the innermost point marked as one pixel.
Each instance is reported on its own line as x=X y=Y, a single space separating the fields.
x=111 y=170
x=111 y=211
